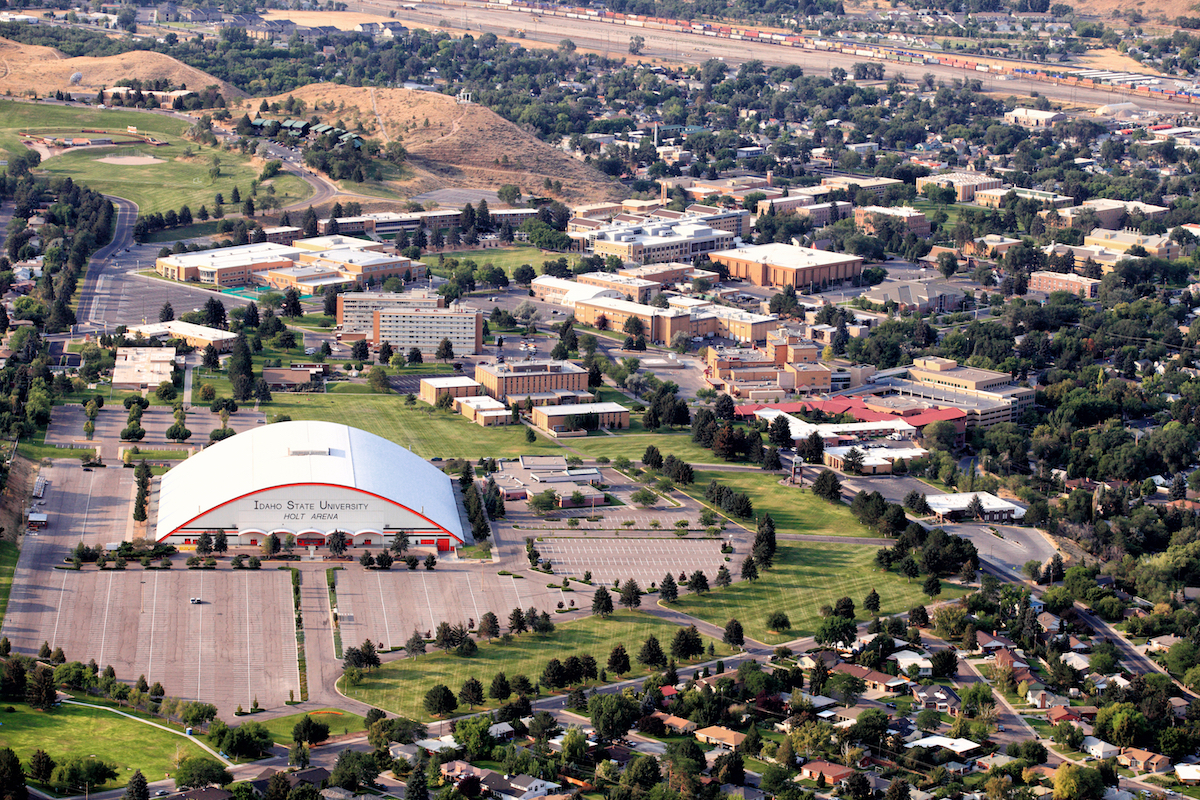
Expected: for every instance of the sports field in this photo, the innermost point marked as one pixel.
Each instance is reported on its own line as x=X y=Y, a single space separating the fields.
x=179 y=180
x=805 y=577
x=70 y=731
x=400 y=686
x=428 y=433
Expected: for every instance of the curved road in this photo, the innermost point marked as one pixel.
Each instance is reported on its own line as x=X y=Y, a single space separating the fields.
x=126 y=216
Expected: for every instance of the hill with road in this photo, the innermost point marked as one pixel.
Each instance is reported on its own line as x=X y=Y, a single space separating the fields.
x=453 y=144
x=26 y=67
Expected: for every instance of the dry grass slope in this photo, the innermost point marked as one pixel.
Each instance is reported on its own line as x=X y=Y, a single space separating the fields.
x=462 y=145
x=46 y=70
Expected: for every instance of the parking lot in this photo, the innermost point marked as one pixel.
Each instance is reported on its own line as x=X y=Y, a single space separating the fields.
x=644 y=560
x=238 y=644
x=66 y=427
x=386 y=606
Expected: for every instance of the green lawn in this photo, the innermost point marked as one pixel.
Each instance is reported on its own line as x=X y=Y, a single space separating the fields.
x=400 y=686
x=633 y=446
x=428 y=434
x=8 y=565
x=793 y=510
x=154 y=187
x=805 y=577
x=176 y=182
x=172 y=235
x=338 y=722
x=35 y=448
x=76 y=731
x=507 y=258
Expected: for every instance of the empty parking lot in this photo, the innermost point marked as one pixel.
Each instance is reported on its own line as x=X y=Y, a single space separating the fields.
x=644 y=560
x=387 y=605
x=238 y=644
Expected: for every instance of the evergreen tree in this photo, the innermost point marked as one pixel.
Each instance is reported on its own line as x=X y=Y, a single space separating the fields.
x=668 y=590
x=602 y=604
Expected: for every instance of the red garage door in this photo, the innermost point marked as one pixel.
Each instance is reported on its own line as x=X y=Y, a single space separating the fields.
x=443 y=545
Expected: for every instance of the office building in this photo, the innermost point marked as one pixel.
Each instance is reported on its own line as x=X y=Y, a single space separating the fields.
x=1043 y=281
x=1155 y=246
x=404 y=328
x=356 y=310
x=523 y=378
x=866 y=219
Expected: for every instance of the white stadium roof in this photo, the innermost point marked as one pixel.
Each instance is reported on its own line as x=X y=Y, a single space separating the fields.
x=300 y=453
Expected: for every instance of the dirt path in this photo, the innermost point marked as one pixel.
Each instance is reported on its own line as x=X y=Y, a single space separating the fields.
x=379 y=119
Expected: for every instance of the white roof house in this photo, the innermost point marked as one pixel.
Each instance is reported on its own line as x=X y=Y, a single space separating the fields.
x=1099 y=748
x=957 y=746
x=300 y=477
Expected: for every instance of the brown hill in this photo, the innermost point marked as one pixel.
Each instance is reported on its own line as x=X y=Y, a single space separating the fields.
x=452 y=143
x=24 y=67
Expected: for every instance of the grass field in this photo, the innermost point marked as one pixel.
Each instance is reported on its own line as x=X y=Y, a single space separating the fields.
x=154 y=187
x=77 y=731
x=793 y=510
x=175 y=182
x=400 y=686
x=633 y=446
x=172 y=235
x=338 y=722
x=8 y=565
x=805 y=577
x=437 y=434
x=509 y=258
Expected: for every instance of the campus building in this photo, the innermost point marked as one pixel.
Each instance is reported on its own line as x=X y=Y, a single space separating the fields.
x=1044 y=281
x=454 y=385
x=566 y=292
x=356 y=310
x=197 y=336
x=308 y=479
x=669 y=272
x=995 y=198
x=138 y=368
x=865 y=219
x=690 y=316
x=780 y=265
x=522 y=378
x=404 y=328
x=1156 y=245
x=1103 y=211
x=917 y=295
x=306 y=265
x=964 y=184
x=662 y=241
x=558 y=419
x=852 y=185
x=638 y=290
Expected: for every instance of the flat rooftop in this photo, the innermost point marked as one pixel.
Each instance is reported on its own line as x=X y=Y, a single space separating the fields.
x=581 y=408
x=787 y=256
x=235 y=256
x=450 y=382
x=629 y=307
x=623 y=280
x=178 y=328
x=337 y=242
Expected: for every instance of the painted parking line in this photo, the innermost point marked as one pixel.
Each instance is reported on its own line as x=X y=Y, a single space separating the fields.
x=383 y=605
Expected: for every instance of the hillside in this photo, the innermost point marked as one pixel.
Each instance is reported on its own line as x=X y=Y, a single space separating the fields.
x=453 y=144
x=45 y=70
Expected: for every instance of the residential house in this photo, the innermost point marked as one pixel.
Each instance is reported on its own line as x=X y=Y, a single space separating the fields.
x=833 y=773
x=1188 y=774
x=409 y=752
x=1049 y=622
x=937 y=698
x=1039 y=697
x=1057 y=714
x=1008 y=658
x=809 y=660
x=990 y=643
x=1086 y=713
x=874 y=679
x=906 y=659
x=1162 y=643
x=720 y=736
x=984 y=763
x=1076 y=661
x=676 y=725
x=1179 y=706
x=1098 y=748
x=1143 y=760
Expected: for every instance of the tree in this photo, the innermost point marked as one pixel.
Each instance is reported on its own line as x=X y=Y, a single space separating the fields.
x=733 y=634
x=668 y=591
x=827 y=486
x=631 y=594
x=12 y=776
x=41 y=767
x=602 y=604
x=652 y=458
x=779 y=433
x=309 y=731
x=445 y=350
x=651 y=654
x=439 y=700
x=836 y=630
x=40 y=691
x=749 y=569
x=612 y=715
x=724 y=407
x=196 y=772
x=848 y=687
x=618 y=660
x=871 y=602
x=353 y=770
x=932 y=586
x=1072 y=782
x=697 y=582
x=471 y=694
x=166 y=314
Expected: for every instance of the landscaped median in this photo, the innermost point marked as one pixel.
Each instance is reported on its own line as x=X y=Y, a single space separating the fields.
x=400 y=686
